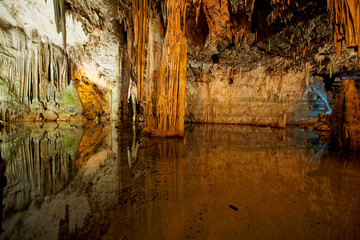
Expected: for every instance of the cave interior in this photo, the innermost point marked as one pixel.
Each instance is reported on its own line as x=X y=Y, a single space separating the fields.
x=164 y=115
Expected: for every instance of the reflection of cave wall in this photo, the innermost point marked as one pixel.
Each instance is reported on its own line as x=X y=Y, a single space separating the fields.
x=269 y=165
x=50 y=168
x=189 y=183
x=39 y=162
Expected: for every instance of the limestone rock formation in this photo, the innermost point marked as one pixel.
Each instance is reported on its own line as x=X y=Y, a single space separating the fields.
x=345 y=118
x=165 y=99
x=70 y=106
x=92 y=98
x=346 y=20
x=37 y=61
x=167 y=61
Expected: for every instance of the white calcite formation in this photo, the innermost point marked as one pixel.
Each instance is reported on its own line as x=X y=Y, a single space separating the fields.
x=37 y=60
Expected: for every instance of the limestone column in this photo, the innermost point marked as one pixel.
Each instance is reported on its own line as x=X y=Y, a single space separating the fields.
x=165 y=101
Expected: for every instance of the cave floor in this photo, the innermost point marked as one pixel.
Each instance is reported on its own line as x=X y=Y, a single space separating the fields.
x=96 y=181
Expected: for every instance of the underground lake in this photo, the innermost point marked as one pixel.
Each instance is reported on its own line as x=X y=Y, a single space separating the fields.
x=92 y=181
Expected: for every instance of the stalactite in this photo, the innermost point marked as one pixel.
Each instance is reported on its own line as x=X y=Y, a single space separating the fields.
x=125 y=83
x=307 y=74
x=139 y=8
x=60 y=20
x=345 y=15
x=165 y=108
x=24 y=80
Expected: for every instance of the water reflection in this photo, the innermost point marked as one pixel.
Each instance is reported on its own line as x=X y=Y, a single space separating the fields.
x=47 y=166
x=219 y=182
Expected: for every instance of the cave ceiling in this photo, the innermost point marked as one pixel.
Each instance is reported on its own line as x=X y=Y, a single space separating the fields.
x=283 y=26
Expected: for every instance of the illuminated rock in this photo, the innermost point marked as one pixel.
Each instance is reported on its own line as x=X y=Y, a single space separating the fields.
x=165 y=101
x=92 y=97
x=346 y=19
x=71 y=107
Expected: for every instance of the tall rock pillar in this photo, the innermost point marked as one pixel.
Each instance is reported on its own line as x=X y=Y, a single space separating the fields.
x=165 y=88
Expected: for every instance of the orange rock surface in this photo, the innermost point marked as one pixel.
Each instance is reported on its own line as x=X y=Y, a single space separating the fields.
x=92 y=97
x=139 y=8
x=346 y=19
x=165 y=101
x=345 y=118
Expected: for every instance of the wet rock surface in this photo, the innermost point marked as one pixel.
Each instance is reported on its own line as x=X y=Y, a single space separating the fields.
x=345 y=119
x=221 y=181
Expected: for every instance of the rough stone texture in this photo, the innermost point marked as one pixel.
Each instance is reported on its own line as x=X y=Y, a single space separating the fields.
x=245 y=98
x=71 y=102
x=36 y=63
x=345 y=118
x=165 y=99
x=248 y=62
x=92 y=98
x=255 y=84
x=256 y=80
x=346 y=20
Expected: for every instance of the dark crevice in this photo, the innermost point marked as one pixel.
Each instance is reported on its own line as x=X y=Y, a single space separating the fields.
x=215 y=58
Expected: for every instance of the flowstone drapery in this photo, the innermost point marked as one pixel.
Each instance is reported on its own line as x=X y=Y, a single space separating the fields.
x=165 y=98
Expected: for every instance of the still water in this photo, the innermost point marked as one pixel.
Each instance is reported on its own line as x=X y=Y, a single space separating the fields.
x=219 y=182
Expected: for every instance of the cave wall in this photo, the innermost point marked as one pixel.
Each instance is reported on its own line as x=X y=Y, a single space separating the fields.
x=245 y=62
x=38 y=58
x=255 y=78
x=255 y=63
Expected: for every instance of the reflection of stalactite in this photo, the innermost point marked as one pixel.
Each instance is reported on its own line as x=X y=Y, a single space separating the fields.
x=63 y=232
x=165 y=107
x=38 y=166
x=151 y=184
x=3 y=182
x=167 y=184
